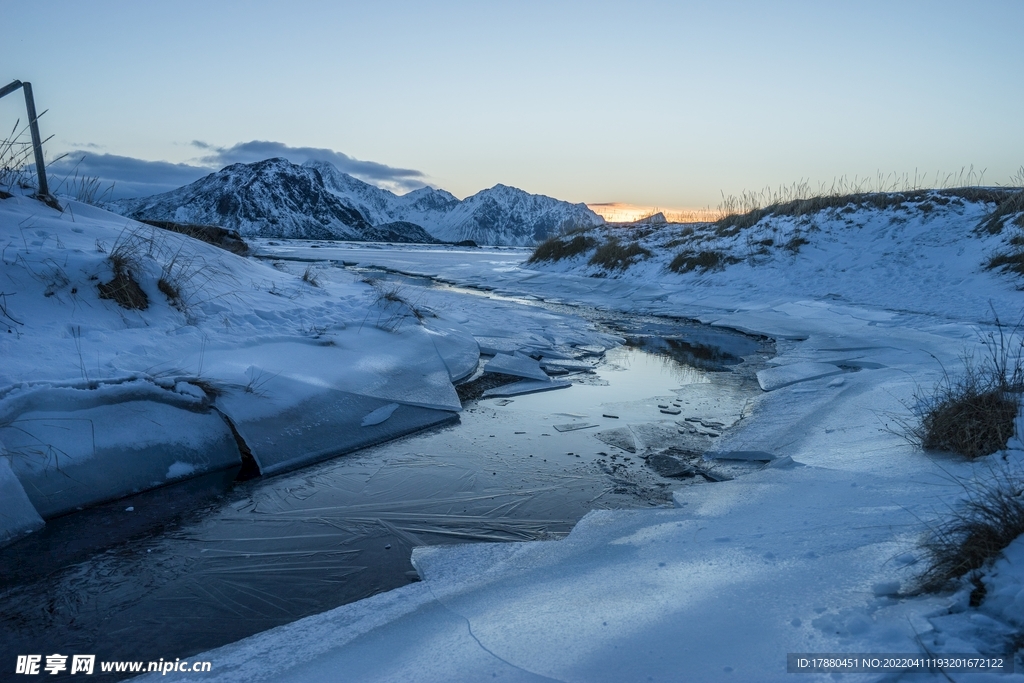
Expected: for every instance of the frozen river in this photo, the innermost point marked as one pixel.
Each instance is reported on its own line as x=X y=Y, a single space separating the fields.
x=196 y=565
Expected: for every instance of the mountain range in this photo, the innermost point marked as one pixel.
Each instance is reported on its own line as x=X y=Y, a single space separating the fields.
x=276 y=198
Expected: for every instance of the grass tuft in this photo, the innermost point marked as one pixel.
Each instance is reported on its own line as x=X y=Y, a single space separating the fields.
x=973 y=415
x=1009 y=208
x=124 y=289
x=558 y=248
x=612 y=255
x=703 y=261
x=986 y=522
x=311 y=276
x=393 y=306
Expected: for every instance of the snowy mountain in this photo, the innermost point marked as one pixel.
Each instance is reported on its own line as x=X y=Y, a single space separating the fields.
x=270 y=198
x=275 y=198
x=500 y=215
x=508 y=215
x=425 y=206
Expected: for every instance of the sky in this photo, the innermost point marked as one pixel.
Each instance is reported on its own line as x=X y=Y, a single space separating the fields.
x=657 y=104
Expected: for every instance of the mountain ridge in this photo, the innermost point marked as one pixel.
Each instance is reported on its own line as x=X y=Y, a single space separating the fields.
x=276 y=198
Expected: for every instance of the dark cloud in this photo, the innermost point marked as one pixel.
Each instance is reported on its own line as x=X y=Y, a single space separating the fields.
x=129 y=177
x=132 y=177
x=257 y=150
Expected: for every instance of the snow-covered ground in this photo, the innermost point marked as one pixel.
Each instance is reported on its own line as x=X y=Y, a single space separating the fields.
x=813 y=553
x=98 y=401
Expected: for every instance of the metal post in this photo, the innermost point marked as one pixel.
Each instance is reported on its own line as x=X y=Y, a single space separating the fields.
x=43 y=192
x=37 y=143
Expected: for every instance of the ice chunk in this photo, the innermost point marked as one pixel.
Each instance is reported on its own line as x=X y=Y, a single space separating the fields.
x=325 y=424
x=526 y=386
x=573 y=426
x=459 y=351
x=75 y=457
x=519 y=366
x=566 y=365
x=670 y=466
x=17 y=514
x=621 y=437
x=495 y=345
x=771 y=379
x=375 y=417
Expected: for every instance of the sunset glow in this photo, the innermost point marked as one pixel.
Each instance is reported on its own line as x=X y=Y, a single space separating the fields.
x=621 y=212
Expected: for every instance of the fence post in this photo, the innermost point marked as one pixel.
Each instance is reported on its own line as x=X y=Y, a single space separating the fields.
x=37 y=143
x=43 y=192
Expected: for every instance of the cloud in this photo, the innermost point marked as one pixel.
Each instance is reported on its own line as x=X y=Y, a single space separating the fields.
x=400 y=179
x=130 y=177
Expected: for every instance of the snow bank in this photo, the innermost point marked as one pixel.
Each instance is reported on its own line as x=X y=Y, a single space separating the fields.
x=77 y=447
x=98 y=401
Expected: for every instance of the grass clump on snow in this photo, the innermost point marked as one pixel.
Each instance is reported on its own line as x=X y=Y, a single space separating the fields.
x=973 y=415
x=613 y=255
x=124 y=288
x=562 y=247
x=986 y=522
x=702 y=260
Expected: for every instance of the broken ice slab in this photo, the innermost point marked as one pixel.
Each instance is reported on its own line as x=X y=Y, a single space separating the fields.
x=87 y=453
x=458 y=351
x=526 y=386
x=518 y=366
x=566 y=365
x=758 y=456
x=591 y=349
x=573 y=426
x=17 y=514
x=671 y=411
x=771 y=379
x=670 y=466
x=494 y=345
x=324 y=425
x=620 y=437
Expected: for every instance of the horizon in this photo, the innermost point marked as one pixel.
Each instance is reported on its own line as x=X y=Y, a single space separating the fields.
x=721 y=100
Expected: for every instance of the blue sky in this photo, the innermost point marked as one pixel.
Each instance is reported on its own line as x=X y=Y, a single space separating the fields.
x=662 y=104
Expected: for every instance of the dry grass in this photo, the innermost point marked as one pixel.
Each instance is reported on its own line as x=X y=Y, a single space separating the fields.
x=703 y=261
x=973 y=414
x=124 y=288
x=392 y=305
x=739 y=212
x=1009 y=209
x=311 y=276
x=613 y=255
x=562 y=247
x=185 y=275
x=987 y=521
x=1010 y=261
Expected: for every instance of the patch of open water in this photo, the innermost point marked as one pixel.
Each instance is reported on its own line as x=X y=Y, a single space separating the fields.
x=186 y=568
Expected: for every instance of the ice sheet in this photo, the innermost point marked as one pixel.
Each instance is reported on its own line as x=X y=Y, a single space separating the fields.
x=79 y=456
x=518 y=365
x=17 y=514
x=327 y=423
x=771 y=379
x=526 y=386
